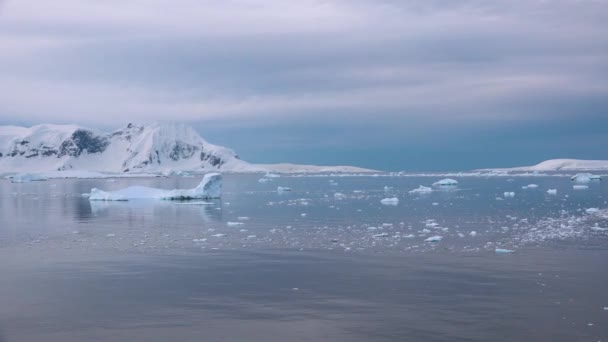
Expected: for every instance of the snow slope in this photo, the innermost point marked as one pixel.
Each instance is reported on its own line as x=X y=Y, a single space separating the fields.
x=563 y=165
x=153 y=148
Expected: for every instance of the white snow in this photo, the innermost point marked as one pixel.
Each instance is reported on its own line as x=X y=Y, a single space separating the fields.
x=421 y=190
x=210 y=187
x=390 y=201
x=446 y=182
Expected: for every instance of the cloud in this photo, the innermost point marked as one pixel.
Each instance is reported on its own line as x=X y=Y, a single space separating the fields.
x=98 y=62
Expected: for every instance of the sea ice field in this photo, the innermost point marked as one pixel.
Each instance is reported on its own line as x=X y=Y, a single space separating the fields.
x=385 y=257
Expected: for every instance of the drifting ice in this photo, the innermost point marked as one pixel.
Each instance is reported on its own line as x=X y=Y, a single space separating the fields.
x=435 y=238
x=446 y=182
x=509 y=194
x=552 y=191
x=421 y=190
x=210 y=187
x=390 y=201
x=27 y=177
x=580 y=187
x=282 y=189
x=585 y=177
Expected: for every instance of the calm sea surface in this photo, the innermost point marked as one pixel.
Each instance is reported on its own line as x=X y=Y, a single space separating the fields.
x=323 y=262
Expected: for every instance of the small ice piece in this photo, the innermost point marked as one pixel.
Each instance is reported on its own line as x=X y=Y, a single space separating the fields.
x=111 y=235
x=435 y=238
x=218 y=235
x=503 y=251
x=599 y=229
x=251 y=236
x=446 y=182
x=264 y=180
x=390 y=201
x=209 y=187
x=388 y=188
x=473 y=233
x=242 y=218
x=234 y=224
x=339 y=196
x=381 y=235
x=580 y=187
x=283 y=189
x=509 y=194
x=303 y=214
x=552 y=191
x=421 y=190
x=592 y=210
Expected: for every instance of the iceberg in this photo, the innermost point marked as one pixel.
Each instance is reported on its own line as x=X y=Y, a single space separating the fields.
x=210 y=187
x=421 y=190
x=446 y=182
x=390 y=201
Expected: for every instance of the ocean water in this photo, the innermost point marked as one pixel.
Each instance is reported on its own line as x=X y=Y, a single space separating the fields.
x=306 y=264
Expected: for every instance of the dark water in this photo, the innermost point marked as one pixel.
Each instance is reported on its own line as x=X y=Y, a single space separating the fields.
x=349 y=269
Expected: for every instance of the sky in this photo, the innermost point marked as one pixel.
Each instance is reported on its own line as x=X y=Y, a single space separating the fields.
x=385 y=84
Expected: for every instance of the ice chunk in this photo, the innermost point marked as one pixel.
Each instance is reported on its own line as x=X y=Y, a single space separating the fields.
x=421 y=190
x=283 y=189
x=210 y=187
x=435 y=238
x=580 y=187
x=503 y=251
x=446 y=182
x=390 y=201
x=509 y=194
x=592 y=210
x=339 y=196
x=552 y=191
x=473 y=233
x=234 y=224
x=264 y=180
x=381 y=235
x=530 y=186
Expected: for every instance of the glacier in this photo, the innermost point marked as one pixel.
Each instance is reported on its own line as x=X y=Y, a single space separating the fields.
x=209 y=188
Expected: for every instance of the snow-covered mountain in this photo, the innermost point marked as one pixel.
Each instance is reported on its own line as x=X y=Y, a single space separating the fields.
x=564 y=165
x=134 y=148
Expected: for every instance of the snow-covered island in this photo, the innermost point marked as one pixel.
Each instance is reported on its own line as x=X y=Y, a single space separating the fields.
x=560 y=165
x=135 y=149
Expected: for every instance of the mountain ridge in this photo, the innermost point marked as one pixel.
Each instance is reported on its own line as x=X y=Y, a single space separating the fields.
x=157 y=147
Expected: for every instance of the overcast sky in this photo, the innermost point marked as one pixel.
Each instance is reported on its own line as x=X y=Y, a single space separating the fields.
x=389 y=84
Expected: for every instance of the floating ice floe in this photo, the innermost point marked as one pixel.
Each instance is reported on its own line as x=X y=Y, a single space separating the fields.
x=509 y=194
x=210 y=187
x=585 y=177
x=27 y=177
x=283 y=189
x=580 y=187
x=421 y=190
x=339 y=196
x=435 y=238
x=390 y=201
x=592 y=210
x=503 y=251
x=264 y=180
x=381 y=235
x=234 y=224
x=552 y=191
x=446 y=182
x=530 y=186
